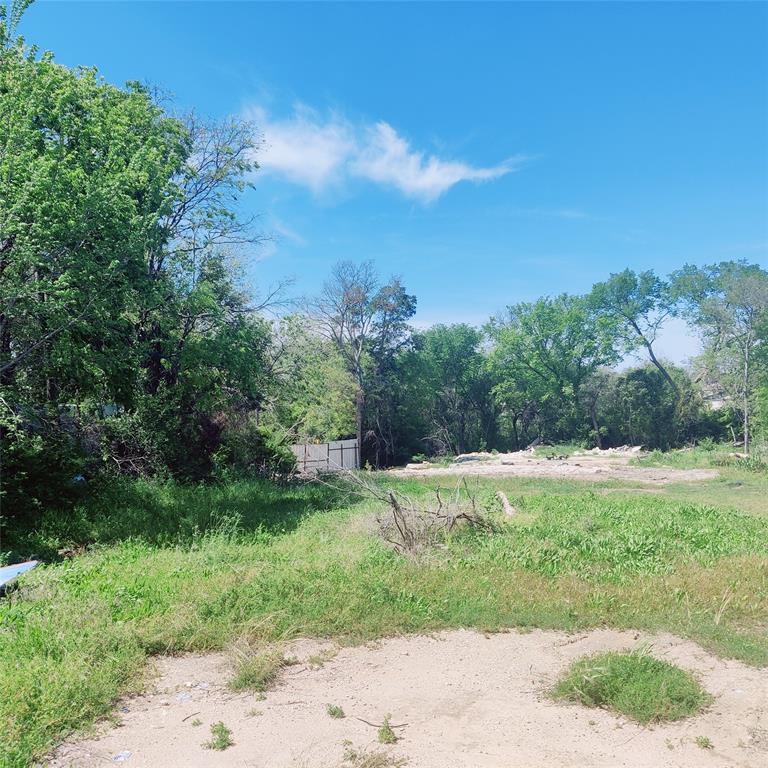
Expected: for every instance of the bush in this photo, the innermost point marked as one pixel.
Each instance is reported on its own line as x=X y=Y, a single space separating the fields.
x=249 y=447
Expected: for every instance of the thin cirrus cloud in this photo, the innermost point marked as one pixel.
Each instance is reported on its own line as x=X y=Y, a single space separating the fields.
x=321 y=153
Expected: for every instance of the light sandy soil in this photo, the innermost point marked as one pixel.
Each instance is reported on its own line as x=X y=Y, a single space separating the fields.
x=463 y=699
x=605 y=465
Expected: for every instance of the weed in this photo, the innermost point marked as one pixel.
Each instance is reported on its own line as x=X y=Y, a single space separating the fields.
x=704 y=742
x=221 y=737
x=634 y=684
x=197 y=721
x=335 y=711
x=386 y=734
x=318 y=660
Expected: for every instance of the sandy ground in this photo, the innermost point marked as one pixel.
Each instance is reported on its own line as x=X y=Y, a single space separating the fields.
x=605 y=465
x=464 y=700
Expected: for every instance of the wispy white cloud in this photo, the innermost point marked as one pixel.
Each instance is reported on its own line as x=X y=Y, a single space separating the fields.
x=284 y=232
x=387 y=158
x=573 y=214
x=321 y=152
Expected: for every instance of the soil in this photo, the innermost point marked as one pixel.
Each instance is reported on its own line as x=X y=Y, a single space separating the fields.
x=461 y=699
x=590 y=465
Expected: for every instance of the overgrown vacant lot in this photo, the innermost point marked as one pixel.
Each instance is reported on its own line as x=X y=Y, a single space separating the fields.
x=192 y=569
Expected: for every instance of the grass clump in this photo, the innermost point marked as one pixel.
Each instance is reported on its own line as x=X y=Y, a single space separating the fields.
x=255 y=668
x=221 y=737
x=386 y=734
x=634 y=684
x=334 y=711
x=355 y=758
x=704 y=742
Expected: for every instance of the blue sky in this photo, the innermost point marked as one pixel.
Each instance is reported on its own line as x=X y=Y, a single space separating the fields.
x=487 y=153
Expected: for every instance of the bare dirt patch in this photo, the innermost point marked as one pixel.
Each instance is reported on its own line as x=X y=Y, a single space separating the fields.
x=461 y=699
x=605 y=465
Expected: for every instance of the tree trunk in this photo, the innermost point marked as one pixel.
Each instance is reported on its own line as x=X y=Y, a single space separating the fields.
x=662 y=370
x=746 y=399
x=359 y=407
x=595 y=424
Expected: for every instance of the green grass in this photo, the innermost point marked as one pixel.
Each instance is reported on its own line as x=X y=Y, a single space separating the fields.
x=740 y=483
x=713 y=455
x=166 y=514
x=334 y=711
x=251 y=565
x=356 y=758
x=255 y=669
x=633 y=684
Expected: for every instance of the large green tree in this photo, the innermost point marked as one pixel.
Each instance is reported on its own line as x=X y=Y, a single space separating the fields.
x=447 y=389
x=728 y=302
x=545 y=351
x=640 y=302
x=120 y=291
x=367 y=321
x=86 y=176
x=313 y=392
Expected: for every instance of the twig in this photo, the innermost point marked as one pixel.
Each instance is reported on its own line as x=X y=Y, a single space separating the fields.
x=381 y=725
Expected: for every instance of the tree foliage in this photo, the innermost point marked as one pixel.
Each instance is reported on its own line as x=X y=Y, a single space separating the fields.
x=728 y=302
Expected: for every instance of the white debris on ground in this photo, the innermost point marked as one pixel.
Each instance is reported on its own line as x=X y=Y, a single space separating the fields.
x=594 y=464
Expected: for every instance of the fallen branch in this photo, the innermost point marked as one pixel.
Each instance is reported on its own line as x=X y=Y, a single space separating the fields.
x=381 y=725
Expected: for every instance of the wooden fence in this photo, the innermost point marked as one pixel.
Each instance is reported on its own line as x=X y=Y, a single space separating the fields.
x=326 y=457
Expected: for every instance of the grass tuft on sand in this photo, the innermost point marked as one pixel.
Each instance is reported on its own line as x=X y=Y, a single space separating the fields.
x=634 y=684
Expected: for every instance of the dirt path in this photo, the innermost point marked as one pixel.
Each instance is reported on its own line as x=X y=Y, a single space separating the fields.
x=467 y=700
x=586 y=466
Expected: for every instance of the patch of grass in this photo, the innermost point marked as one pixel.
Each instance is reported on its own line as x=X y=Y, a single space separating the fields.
x=355 y=758
x=166 y=513
x=612 y=538
x=709 y=455
x=633 y=684
x=385 y=733
x=197 y=721
x=561 y=449
x=221 y=737
x=704 y=742
x=334 y=711
x=255 y=668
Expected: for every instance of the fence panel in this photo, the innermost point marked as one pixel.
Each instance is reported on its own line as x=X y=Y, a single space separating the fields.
x=326 y=457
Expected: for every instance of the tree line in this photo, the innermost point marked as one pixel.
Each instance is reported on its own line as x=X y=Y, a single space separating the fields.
x=546 y=370
x=132 y=345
